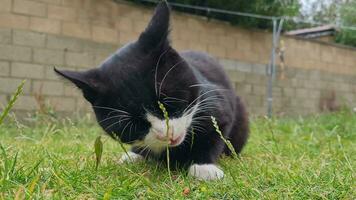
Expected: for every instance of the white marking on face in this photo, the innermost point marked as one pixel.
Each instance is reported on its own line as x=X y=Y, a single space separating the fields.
x=205 y=172
x=157 y=138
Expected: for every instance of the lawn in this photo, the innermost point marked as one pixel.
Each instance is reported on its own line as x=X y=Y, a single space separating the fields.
x=301 y=158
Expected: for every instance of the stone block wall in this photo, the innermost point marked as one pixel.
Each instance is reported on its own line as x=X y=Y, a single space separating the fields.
x=36 y=35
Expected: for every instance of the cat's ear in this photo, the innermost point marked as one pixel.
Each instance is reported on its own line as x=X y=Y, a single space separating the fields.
x=155 y=36
x=88 y=81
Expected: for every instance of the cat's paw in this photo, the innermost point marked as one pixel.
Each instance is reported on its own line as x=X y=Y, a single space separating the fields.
x=205 y=172
x=130 y=157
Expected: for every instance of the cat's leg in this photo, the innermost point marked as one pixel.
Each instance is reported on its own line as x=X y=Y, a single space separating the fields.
x=130 y=157
x=239 y=133
x=205 y=157
x=205 y=172
x=136 y=154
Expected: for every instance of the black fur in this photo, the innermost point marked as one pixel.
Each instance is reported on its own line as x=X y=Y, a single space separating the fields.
x=149 y=70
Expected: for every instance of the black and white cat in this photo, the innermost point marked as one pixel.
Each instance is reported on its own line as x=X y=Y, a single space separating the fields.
x=125 y=90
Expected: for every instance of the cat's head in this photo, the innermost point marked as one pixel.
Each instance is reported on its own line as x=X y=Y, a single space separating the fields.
x=125 y=90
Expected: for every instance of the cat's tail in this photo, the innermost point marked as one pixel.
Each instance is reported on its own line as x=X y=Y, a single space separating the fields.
x=240 y=131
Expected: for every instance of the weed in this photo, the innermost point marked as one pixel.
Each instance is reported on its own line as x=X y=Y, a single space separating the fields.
x=12 y=101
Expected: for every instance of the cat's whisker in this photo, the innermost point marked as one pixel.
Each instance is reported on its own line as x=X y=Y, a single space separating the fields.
x=113 y=109
x=115 y=123
x=177 y=99
x=156 y=69
x=116 y=116
x=116 y=112
x=198 y=128
x=202 y=85
x=130 y=129
x=123 y=130
x=164 y=77
x=196 y=99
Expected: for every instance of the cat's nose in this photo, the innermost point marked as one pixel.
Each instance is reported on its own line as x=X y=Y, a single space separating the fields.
x=162 y=137
x=165 y=136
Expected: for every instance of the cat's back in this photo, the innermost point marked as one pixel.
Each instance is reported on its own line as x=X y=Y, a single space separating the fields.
x=208 y=67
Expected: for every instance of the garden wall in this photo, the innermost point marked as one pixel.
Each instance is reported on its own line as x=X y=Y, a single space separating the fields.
x=36 y=35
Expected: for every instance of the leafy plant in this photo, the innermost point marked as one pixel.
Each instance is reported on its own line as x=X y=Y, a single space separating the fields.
x=347 y=36
x=261 y=7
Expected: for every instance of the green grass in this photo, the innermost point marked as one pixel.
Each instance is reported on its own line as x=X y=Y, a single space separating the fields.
x=303 y=158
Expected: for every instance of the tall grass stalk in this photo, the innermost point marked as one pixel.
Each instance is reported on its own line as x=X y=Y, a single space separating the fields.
x=166 y=117
x=227 y=142
x=12 y=101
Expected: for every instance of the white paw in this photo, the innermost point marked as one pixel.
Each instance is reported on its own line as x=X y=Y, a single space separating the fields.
x=206 y=172
x=130 y=157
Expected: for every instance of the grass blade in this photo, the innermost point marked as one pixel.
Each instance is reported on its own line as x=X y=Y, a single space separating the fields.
x=12 y=101
x=166 y=117
x=227 y=142
x=98 y=148
x=32 y=185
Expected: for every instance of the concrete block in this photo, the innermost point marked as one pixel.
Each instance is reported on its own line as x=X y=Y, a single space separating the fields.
x=85 y=60
x=139 y=26
x=288 y=91
x=243 y=66
x=64 y=43
x=255 y=79
x=72 y=3
x=62 y=13
x=15 y=53
x=126 y=37
x=9 y=85
x=103 y=34
x=45 y=25
x=259 y=90
x=29 y=38
x=124 y=24
x=302 y=93
x=207 y=38
x=243 y=88
x=100 y=48
x=72 y=91
x=47 y=56
x=343 y=87
x=259 y=69
x=314 y=94
x=83 y=105
x=5 y=5
x=237 y=76
x=228 y=64
x=30 y=8
x=314 y=75
x=51 y=75
x=8 y=20
x=62 y=103
x=56 y=2
x=218 y=51
x=76 y=30
x=5 y=36
x=277 y=92
x=48 y=88
x=27 y=103
x=4 y=68
x=26 y=70
x=226 y=41
x=198 y=46
x=100 y=58
x=3 y=101
x=253 y=100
